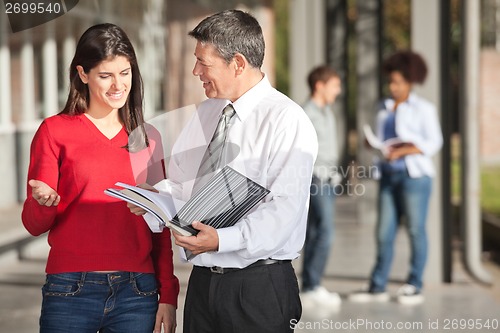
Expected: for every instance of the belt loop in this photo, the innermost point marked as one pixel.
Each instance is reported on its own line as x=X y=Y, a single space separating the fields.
x=82 y=277
x=131 y=277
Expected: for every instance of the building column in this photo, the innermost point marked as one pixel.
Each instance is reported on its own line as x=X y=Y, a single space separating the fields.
x=29 y=119
x=425 y=23
x=7 y=133
x=49 y=72
x=336 y=55
x=5 y=79
x=307 y=44
x=470 y=150
x=368 y=69
x=497 y=24
x=152 y=35
x=68 y=50
x=28 y=79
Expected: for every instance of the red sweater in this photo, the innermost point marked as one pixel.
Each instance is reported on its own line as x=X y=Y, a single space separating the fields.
x=88 y=230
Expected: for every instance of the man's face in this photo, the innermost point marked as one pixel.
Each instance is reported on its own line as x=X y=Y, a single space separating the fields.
x=217 y=76
x=332 y=89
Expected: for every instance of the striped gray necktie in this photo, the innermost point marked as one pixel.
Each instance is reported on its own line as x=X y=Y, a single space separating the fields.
x=211 y=160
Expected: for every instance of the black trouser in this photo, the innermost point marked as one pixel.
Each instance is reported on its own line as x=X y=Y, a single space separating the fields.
x=257 y=299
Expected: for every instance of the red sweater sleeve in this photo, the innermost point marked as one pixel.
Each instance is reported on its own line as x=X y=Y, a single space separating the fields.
x=164 y=268
x=44 y=166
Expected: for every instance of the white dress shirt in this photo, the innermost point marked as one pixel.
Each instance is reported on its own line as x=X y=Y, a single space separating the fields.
x=277 y=148
x=416 y=122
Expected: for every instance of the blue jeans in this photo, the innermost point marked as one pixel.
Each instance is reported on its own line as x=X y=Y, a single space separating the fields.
x=89 y=302
x=320 y=233
x=399 y=195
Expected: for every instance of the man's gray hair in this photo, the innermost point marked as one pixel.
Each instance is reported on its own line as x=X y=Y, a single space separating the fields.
x=230 y=32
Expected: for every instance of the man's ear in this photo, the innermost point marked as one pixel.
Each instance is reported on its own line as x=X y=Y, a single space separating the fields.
x=319 y=86
x=81 y=73
x=240 y=63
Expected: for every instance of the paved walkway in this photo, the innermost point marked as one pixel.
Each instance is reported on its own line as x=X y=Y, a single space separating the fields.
x=447 y=307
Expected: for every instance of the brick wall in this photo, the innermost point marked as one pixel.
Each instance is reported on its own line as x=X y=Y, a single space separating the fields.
x=489 y=104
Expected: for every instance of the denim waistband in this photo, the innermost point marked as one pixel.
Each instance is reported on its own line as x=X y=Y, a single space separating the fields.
x=388 y=171
x=99 y=278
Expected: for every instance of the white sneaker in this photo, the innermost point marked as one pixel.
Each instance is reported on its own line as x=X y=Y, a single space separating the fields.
x=319 y=296
x=409 y=295
x=366 y=296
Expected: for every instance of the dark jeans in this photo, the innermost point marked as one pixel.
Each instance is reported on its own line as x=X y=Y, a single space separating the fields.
x=401 y=195
x=262 y=299
x=88 y=302
x=320 y=233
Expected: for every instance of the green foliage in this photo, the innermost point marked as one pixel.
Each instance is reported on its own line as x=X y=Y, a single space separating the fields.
x=456 y=184
x=396 y=26
x=490 y=181
x=490 y=189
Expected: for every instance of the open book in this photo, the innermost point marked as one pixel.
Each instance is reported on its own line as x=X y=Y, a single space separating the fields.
x=161 y=205
x=220 y=203
x=383 y=146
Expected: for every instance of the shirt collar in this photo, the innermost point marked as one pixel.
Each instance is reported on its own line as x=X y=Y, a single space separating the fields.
x=247 y=102
x=312 y=104
x=412 y=98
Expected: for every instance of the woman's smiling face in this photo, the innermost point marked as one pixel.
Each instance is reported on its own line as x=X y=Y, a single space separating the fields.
x=109 y=83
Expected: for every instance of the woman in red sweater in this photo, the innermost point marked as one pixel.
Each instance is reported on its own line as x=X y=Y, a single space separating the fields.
x=103 y=259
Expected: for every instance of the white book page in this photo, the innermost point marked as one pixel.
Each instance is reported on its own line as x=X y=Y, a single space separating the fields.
x=372 y=138
x=168 y=204
x=160 y=220
x=376 y=143
x=162 y=206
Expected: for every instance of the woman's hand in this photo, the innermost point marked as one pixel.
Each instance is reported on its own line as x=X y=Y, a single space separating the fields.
x=165 y=316
x=399 y=151
x=43 y=193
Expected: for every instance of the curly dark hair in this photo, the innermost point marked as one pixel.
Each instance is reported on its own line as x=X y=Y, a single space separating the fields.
x=410 y=64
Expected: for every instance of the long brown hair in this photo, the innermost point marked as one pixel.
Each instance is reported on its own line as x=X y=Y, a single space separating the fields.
x=101 y=42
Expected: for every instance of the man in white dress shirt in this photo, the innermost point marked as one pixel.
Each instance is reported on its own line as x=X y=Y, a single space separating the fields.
x=242 y=279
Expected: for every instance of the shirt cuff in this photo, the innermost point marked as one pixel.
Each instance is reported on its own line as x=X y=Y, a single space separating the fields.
x=230 y=239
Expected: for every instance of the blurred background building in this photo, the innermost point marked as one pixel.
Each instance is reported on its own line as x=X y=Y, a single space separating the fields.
x=34 y=67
